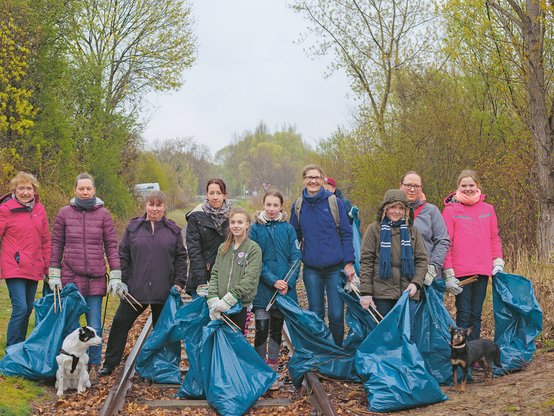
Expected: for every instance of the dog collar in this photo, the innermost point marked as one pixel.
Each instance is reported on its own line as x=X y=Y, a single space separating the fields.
x=74 y=359
x=458 y=346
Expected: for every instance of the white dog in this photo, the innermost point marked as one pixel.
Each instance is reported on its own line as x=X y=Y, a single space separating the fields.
x=73 y=360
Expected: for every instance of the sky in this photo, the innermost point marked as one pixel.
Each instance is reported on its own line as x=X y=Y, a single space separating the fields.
x=250 y=68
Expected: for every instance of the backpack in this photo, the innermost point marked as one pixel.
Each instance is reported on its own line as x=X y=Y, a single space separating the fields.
x=333 y=205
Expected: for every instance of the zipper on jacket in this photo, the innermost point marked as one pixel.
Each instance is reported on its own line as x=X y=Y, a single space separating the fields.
x=231 y=272
x=85 y=245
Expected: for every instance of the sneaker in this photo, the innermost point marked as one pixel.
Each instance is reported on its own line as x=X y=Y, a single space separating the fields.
x=106 y=371
x=278 y=383
x=93 y=374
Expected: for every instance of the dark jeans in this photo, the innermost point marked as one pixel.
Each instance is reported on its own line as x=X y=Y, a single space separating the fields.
x=123 y=320
x=319 y=282
x=22 y=295
x=384 y=306
x=240 y=319
x=469 y=306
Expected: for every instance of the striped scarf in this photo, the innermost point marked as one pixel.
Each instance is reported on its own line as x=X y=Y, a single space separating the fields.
x=407 y=252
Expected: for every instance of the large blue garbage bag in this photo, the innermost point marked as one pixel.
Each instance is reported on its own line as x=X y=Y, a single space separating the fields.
x=391 y=367
x=517 y=320
x=161 y=354
x=234 y=376
x=35 y=358
x=356 y=238
x=190 y=319
x=42 y=306
x=314 y=348
x=360 y=322
x=432 y=332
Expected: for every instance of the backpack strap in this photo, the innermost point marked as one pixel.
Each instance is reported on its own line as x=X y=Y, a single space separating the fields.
x=333 y=206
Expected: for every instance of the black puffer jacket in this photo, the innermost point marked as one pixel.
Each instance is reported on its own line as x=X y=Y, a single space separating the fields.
x=203 y=240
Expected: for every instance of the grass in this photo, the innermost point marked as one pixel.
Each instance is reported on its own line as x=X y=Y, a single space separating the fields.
x=17 y=394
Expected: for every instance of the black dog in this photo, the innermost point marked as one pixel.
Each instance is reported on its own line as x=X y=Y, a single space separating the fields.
x=465 y=354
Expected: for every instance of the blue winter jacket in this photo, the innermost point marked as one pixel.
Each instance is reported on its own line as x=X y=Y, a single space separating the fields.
x=280 y=249
x=322 y=244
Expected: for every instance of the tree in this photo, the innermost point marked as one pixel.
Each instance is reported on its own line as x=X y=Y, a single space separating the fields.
x=517 y=39
x=371 y=41
x=135 y=46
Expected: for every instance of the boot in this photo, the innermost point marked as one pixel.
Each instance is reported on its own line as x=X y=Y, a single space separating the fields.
x=278 y=383
x=93 y=370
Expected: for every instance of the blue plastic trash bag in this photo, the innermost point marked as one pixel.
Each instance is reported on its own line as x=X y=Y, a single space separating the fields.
x=35 y=358
x=314 y=348
x=432 y=332
x=360 y=322
x=391 y=367
x=356 y=238
x=160 y=356
x=234 y=376
x=190 y=319
x=517 y=320
x=42 y=306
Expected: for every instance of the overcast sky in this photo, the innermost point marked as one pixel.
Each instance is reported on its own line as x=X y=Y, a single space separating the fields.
x=249 y=69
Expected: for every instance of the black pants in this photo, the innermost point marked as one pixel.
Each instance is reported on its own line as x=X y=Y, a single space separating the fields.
x=124 y=318
x=240 y=319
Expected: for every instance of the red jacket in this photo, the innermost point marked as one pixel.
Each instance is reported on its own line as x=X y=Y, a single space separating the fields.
x=25 y=240
x=79 y=240
x=474 y=241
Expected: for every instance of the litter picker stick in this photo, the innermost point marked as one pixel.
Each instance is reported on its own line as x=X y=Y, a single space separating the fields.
x=468 y=281
x=134 y=300
x=287 y=277
x=377 y=312
x=230 y=322
x=54 y=293
x=59 y=298
x=129 y=301
x=357 y=293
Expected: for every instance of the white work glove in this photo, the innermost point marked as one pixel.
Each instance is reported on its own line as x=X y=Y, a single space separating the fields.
x=122 y=290
x=411 y=289
x=225 y=303
x=115 y=282
x=367 y=301
x=214 y=315
x=353 y=285
x=202 y=290
x=452 y=284
x=430 y=276
x=54 y=278
x=498 y=266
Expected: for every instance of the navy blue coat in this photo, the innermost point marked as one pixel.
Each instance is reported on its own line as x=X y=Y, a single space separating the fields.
x=280 y=249
x=152 y=262
x=322 y=244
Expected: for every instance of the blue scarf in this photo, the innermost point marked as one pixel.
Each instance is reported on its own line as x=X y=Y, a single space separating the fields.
x=408 y=267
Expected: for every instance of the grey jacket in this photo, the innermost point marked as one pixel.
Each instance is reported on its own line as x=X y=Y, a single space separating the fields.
x=432 y=228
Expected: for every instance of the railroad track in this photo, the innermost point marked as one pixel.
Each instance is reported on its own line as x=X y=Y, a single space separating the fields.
x=115 y=400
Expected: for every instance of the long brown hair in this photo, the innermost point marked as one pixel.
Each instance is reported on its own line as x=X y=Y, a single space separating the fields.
x=229 y=240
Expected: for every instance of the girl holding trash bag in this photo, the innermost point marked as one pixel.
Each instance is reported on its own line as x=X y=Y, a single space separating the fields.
x=207 y=227
x=153 y=260
x=475 y=249
x=430 y=223
x=280 y=259
x=83 y=237
x=236 y=271
x=25 y=253
x=393 y=258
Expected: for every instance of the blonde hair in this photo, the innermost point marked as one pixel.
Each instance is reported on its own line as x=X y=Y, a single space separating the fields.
x=468 y=173
x=23 y=177
x=84 y=175
x=229 y=240
x=313 y=166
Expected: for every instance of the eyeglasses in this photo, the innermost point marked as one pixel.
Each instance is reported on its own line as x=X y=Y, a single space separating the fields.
x=312 y=178
x=412 y=186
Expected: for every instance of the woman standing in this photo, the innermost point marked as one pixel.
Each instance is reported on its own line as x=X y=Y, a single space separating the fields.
x=207 y=226
x=153 y=259
x=326 y=237
x=236 y=271
x=83 y=237
x=430 y=223
x=393 y=258
x=475 y=249
x=25 y=252
x=280 y=251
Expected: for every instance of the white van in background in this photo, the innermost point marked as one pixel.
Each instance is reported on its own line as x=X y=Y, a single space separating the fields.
x=142 y=189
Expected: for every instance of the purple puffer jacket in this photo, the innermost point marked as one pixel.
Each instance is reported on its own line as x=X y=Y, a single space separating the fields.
x=79 y=240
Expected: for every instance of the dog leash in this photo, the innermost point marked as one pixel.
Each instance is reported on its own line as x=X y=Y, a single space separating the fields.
x=105 y=310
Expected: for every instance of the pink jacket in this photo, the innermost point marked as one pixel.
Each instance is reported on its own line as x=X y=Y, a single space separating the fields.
x=474 y=241
x=25 y=240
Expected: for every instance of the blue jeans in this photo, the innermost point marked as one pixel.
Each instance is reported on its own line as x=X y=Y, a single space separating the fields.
x=22 y=295
x=317 y=283
x=469 y=306
x=385 y=305
x=94 y=319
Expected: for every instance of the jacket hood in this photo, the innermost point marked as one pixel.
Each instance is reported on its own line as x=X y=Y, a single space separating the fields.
x=7 y=197
x=451 y=199
x=259 y=219
x=392 y=196
x=99 y=203
x=197 y=208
